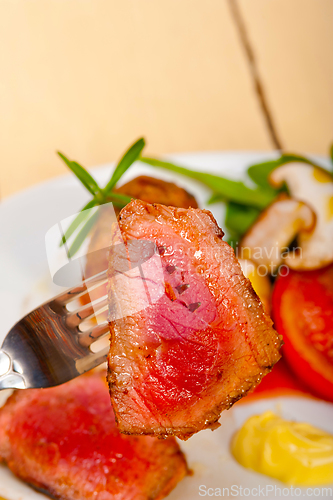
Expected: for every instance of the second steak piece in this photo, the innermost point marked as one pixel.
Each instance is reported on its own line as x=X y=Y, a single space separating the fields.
x=202 y=345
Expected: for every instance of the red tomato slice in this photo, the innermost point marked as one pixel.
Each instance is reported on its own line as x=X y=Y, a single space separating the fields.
x=303 y=314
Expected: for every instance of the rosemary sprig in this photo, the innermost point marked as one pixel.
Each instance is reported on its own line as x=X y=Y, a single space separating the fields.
x=126 y=161
x=80 y=225
x=77 y=221
x=81 y=173
x=82 y=234
x=243 y=203
x=226 y=189
x=119 y=200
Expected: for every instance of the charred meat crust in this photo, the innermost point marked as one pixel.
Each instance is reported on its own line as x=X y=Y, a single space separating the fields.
x=169 y=375
x=64 y=441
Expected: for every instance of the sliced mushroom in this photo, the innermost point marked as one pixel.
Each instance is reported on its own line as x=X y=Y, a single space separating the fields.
x=267 y=241
x=314 y=186
x=259 y=280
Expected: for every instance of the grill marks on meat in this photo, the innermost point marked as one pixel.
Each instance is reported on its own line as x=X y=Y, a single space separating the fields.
x=198 y=348
x=64 y=440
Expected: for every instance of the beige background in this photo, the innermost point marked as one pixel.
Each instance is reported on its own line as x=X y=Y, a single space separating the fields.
x=87 y=77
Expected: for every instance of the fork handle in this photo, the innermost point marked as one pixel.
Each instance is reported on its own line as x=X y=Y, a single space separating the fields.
x=9 y=378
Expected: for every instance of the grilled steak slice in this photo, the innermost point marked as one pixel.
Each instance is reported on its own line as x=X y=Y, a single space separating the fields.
x=65 y=441
x=144 y=188
x=204 y=344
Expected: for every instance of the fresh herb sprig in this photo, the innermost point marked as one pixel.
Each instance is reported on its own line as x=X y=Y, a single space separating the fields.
x=224 y=189
x=243 y=203
x=85 y=220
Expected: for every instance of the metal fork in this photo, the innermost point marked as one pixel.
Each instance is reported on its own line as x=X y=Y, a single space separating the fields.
x=47 y=347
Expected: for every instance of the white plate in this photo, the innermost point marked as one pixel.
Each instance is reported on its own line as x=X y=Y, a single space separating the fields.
x=25 y=282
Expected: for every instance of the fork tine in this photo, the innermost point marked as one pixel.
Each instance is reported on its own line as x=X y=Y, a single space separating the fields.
x=86 y=312
x=82 y=289
x=92 y=360
x=88 y=337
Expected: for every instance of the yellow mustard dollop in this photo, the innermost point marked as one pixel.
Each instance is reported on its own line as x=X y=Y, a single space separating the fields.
x=293 y=452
